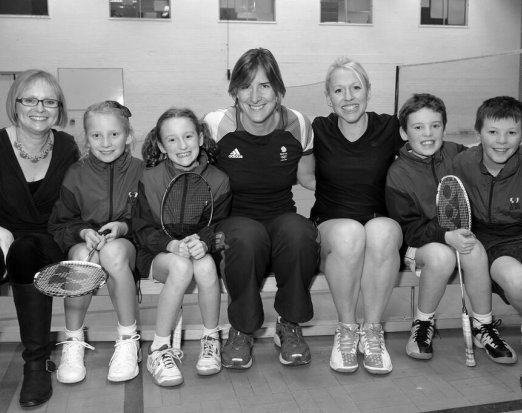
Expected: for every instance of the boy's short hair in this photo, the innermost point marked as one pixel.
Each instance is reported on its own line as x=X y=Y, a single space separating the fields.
x=419 y=101
x=499 y=107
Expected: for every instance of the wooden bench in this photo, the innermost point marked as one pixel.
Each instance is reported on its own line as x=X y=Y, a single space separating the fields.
x=448 y=313
x=319 y=285
x=189 y=326
x=397 y=317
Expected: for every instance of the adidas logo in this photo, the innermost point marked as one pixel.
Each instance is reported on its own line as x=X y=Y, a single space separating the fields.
x=235 y=154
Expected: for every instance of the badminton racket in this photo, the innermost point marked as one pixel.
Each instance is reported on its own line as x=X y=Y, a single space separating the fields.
x=187 y=205
x=453 y=212
x=71 y=278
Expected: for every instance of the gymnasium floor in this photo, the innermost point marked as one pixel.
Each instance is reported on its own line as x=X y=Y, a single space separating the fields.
x=441 y=384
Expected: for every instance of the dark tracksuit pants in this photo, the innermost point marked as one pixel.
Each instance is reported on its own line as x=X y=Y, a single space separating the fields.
x=287 y=245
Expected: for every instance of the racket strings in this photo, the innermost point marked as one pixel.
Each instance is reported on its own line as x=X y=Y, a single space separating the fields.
x=187 y=205
x=73 y=278
x=453 y=208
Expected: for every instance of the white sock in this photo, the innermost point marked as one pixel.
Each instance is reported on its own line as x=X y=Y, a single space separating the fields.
x=350 y=326
x=77 y=334
x=479 y=319
x=128 y=331
x=159 y=341
x=419 y=315
x=210 y=332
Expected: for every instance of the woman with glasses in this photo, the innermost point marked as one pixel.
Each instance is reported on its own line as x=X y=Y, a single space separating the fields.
x=33 y=161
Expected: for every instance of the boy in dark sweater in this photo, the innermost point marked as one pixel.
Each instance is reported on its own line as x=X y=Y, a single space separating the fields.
x=410 y=196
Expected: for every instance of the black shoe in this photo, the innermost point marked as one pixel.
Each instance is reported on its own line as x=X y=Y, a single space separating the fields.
x=420 y=343
x=237 y=351
x=486 y=336
x=294 y=350
x=36 y=386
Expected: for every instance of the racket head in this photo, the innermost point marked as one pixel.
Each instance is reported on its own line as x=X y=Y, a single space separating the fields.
x=453 y=208
x=70 y=278
x=187 y=205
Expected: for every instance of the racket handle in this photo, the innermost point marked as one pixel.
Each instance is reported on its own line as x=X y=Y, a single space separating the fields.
x=468 y=341
x=91 y=253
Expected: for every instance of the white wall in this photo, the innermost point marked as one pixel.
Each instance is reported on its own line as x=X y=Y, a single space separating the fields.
x=183 y=61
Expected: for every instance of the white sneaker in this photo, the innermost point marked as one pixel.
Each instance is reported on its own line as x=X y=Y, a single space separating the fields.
x=344 y=351
x=162 y=365
x=376 y=357
x=72 y=368
x=209 y=359
x=124 y=362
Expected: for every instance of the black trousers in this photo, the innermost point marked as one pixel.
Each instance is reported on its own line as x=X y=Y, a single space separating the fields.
x=288 y=245
x=28 y=253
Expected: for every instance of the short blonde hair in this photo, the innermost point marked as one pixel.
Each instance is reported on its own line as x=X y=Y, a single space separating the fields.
x=347 y=63
x=23 y=81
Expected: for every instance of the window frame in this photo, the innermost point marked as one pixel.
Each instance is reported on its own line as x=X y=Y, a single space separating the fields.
x=140 y=18
x=246 y=20
x=369 y=21
x=432 y=25
x=30 y=16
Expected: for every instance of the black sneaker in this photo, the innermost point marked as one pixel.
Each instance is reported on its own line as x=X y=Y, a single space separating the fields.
x=488 y=338
x=289 y=337
x=420 y=343
x=237 y=351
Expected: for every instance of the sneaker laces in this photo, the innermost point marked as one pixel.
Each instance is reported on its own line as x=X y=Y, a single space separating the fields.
x=490 y=334
x=292 y=333
x=348 y=340
x=73 y=349
x=237 y=339
x=423 y=331
x=128 y=346
x=373 y=343
x=166 y=358
x=209 y=347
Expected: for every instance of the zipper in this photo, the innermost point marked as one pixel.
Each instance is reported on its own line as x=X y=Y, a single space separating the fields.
x=490 y=201
x=184 y=199
x=434 y=172
x=111 y=190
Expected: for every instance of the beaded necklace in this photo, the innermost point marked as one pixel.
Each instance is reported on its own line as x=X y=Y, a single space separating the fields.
x=48 y=147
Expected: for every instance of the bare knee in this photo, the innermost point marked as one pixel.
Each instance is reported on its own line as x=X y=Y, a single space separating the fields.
x=345 y=238
x=115 y=257
x=383 y=239
x=180 y=271
x=437 y=258
x=512 y=285
x=205 y=273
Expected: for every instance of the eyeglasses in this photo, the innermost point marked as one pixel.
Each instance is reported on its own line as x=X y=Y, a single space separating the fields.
x=32 y=102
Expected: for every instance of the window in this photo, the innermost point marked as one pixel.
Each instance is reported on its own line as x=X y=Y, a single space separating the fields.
x=346 y=11
x=444 y=12
x=140 y=9
x=247 y=10
x=24 y=7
